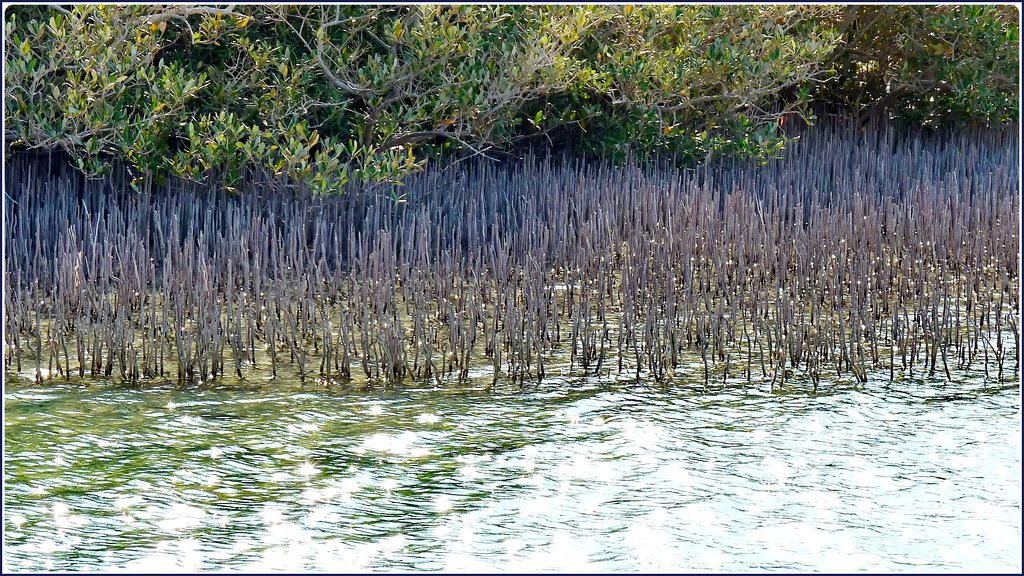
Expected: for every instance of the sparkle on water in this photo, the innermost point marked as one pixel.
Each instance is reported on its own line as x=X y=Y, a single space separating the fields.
x=570 y=476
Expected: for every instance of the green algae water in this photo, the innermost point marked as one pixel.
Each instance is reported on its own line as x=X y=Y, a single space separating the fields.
x=582 y=474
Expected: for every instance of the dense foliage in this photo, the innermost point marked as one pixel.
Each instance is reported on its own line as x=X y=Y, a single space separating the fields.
x=323 y=95
x=930 y=64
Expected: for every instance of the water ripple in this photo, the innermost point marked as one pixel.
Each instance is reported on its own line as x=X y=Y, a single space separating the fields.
x=611 y=476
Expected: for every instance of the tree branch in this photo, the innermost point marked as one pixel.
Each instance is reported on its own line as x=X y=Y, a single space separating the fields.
x=361 y=93
x=414 y=137
x=186 y=11
x=884 y=102
x=380 y=43
x=696 y=102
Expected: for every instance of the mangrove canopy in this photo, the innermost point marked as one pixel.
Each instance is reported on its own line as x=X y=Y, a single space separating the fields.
x=319 y=96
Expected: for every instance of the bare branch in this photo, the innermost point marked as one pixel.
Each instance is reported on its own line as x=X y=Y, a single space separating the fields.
x=380 y=43
x=361 y=93
x=881 y=104
x=696 y=102
x=182 y=12
x=414 y=137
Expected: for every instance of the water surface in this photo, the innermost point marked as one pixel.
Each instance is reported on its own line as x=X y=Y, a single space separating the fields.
x=572 y=475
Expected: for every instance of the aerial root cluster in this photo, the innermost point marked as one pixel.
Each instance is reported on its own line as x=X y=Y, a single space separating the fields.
x=882 y=251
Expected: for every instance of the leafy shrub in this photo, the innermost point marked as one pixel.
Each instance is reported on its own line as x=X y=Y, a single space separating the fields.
x=320 y=96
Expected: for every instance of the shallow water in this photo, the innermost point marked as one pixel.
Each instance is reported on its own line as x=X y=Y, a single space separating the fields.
x=572 y=475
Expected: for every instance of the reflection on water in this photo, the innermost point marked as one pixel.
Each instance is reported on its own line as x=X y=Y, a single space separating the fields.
x=571 y=476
